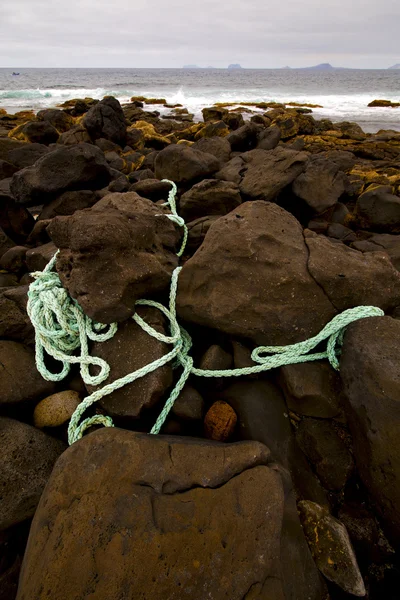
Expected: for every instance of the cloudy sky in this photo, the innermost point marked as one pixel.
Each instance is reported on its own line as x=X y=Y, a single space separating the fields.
x=171 y=33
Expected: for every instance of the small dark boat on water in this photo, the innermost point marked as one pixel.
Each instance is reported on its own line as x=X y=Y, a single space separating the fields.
x=15 y=73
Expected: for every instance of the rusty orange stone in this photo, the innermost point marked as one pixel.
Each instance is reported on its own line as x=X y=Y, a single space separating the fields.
x=220 y=421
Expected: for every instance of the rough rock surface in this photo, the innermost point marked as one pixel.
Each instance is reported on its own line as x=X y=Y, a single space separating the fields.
x=106 y=120
x=81 y=166
x=130 y=349
x=249 y=278
x=350 y=278
x=15 y=360
x=182 y=164
x=379 y=209
x=115 y=253
x=369 y=369
x=209 y=197
x=27 y=459
x=167 y=503
x=321 y=184
x=15 y=220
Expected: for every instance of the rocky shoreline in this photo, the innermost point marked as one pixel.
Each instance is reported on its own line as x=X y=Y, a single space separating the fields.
x=283 y=485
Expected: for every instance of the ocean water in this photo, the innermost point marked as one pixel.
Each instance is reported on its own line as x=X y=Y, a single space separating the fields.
x=343 y=93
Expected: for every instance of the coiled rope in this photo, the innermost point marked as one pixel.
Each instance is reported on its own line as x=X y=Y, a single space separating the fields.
x=62 y=328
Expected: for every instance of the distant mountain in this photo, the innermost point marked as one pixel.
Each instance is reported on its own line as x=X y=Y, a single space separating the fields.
x=395 y=66
x=190 y=67
x=286 y=67
x=235 y=66
x=321 y=67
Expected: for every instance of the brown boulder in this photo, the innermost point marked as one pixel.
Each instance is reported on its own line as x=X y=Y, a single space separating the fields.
x=379 y=209
x=106 y=120
x=15 y=220
x=115 y=253
x=209 y=197
x=27 y=459
x=204 y=518
x=350 y=278
x=14 y=321
x=182 y=164
x=249 y=279
x=369 y=368
x=321 y=184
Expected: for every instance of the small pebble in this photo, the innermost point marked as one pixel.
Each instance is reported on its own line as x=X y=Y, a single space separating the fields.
x=220 y=421
x=56 y=410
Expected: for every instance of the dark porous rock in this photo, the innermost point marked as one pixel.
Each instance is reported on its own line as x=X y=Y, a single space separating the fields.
x=340 y=232
x=8 y=280
x=182 y=164
x=5 y=186
x=291 y=123
x=5 y=242
x=197 y=230
x=194 y=512
x=312 y=389
x=58 y=118
x=321 y=185
x=217 y=146
x=234 y=120
x=350 y=278
x=269 y=138
x=14 y=321
x=153 y=189
x=40 y=132
x=27 y=154
x=13 y=260
x=245 y=138
x=369 y=369
x=106 y=120
x=115 y=253
x=39 y=234
x=20 y=381
x=331 y=548
x=217 y=129
x=38 y=258
x=379 y=209
x=67 y=203
x=15 y=220
x=81 y=166
x=6 y=169
x=209 y=197
x=267 y=300
x=351 y=131
x=214 y=113
x=7 y=144
x=78 y=134
x=327 y=453
x=78 y=106
x=121 y=184
x=130 y=349
x=262 y=416
x=189 y=406
x=262 y=174
x=27 y=459
x=382 y=241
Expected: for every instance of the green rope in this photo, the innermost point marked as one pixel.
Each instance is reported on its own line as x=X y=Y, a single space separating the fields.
x=61 y=328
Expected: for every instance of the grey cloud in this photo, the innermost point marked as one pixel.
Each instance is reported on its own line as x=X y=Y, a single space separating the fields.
x=256 y=33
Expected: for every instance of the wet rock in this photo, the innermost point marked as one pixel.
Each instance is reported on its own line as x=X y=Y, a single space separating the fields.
x=201 y=516
x=325 y=450
x=214 y=113
x=379 y=209
x=67 y=203
x=15 y=220
x=56 y=410
x=223 y=287
x=182 y=164
x=220 y=421
x=331 y=548
x=189 y=406
x=234 y=120
x=106 y=120
x=369 y=370
x=350 y=278
x=209 y=197
x=217 y=146
x=28 y=456
x=78 y=134
x=17 y=359
x=115 y=253
x=81 y=166
x=384 y=104
x=27 y=154
x=38 y=258
x=217 y=129
x=245 y=138
x=130 y=349
x=14 y=321
x=321 y=185
x=312 y=389
x=61 y=120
